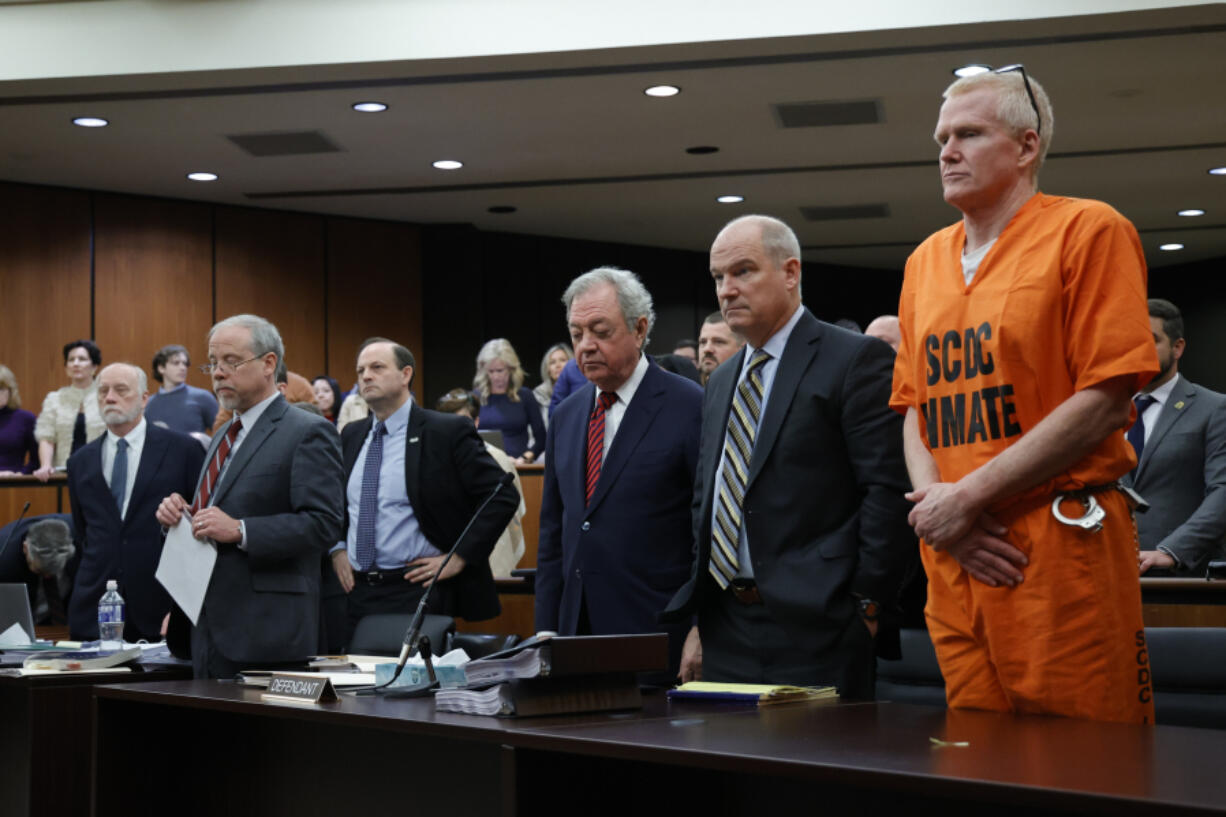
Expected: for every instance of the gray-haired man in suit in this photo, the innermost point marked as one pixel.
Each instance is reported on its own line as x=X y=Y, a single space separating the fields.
x=270 y=498
x=1180 y=437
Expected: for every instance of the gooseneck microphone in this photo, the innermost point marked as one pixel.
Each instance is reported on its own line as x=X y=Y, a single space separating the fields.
x=16 y=525
x=414 y=640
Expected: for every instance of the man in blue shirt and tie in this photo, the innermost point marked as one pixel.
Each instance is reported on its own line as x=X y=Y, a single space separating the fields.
x=414 y=478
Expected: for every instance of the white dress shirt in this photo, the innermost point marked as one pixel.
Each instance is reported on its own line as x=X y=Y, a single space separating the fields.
x=613 y=417
x=136 y=444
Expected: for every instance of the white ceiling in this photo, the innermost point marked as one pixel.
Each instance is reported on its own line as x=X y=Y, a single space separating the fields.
x=570 y=140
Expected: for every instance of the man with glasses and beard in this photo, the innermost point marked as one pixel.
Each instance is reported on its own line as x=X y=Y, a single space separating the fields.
x=115 y=485
x=1024 y=337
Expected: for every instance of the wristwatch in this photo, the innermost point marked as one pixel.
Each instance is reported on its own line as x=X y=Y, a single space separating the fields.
x=869 y=609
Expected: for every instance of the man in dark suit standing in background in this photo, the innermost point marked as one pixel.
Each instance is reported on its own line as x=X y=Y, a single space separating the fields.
x=801 y=524
x=615 y=538
x=1180 y=440
x=115 y=485
x=269 y=498
x=414 y=478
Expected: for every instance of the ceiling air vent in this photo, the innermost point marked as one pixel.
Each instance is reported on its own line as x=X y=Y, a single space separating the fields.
x=291 y=143
x=824 y=114
x=846 y=211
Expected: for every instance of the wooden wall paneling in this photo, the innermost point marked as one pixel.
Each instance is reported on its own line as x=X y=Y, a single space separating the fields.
x=153 y=272
x=374 y=289
x=44 y=284
x=272 y=264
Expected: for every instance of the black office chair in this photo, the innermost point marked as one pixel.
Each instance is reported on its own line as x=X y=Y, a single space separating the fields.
x=383 y=633
x=916 y=678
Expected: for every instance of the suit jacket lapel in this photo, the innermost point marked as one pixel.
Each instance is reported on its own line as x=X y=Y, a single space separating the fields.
x=1176 y=406
x=151 y=456
x=719 y=398
x=95 y=480
x=264 y=428
x=646 y=403
x=412 y=458
x=800 y=350
x=571 y=452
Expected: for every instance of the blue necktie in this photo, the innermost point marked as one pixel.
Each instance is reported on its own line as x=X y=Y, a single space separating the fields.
x=368 y=505
x=1136 y=434
x=119 y=473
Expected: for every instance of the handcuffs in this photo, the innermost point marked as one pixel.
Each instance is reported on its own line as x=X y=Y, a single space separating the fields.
x=1092 y=519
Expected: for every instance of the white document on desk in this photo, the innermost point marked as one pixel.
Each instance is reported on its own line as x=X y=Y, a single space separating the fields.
x=186 y=567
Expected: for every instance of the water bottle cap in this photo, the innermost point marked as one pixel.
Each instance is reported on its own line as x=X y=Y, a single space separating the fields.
x=111 y=584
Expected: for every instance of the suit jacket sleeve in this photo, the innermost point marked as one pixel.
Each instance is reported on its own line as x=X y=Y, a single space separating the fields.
x=549 y=545
x=479 y=473
x=1199 y=539
x=873 y=434
x=535 y=421
x=316 y=501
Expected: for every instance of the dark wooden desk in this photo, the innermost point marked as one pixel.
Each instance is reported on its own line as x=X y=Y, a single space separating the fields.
x=45 y=739
x=1183 y=602
x=235 y=755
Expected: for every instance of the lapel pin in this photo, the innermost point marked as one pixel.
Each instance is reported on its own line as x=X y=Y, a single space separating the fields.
x=413 y=440
x=1179 y=405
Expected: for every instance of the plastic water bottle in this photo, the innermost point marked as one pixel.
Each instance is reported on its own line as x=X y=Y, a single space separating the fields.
x=110 y=617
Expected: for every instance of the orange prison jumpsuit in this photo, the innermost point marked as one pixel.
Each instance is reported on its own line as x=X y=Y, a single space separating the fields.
x=1057 y=305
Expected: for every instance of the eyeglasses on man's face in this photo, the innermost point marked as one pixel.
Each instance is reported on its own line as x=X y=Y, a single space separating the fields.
x=226 y=366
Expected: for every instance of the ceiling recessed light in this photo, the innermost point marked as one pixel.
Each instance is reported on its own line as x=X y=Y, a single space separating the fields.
x=90 y=122
x=202 y=176
x=448 y=164
x=730 y=199
x=1170 y=247
x=369 y=107
x=972 y=69
x=502 y=208
x=1192 y=212
x=662 y=90
x=702 y=150
x=1217 y=171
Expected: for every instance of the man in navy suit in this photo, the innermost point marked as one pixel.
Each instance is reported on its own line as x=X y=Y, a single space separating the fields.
x=115 y=484
x=615 y=537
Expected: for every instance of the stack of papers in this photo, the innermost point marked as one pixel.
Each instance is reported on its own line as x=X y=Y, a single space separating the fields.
x=761 y=694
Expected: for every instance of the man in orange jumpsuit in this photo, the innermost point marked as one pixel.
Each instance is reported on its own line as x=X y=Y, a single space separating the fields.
x=1024 y=334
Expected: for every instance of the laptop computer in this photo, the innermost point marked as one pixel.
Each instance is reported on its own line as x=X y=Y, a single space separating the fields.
x=15 y=609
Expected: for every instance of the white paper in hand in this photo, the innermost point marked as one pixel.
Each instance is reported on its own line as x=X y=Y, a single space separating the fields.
x=186 y=567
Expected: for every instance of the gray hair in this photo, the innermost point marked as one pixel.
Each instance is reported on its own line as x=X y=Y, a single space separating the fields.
x=779 y=242
x=264 y=336
x=142 y=381
x=632 y=296
x=1013 y=107
x=49 y=543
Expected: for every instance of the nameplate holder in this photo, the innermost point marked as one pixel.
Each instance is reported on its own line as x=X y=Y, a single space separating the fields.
x=299 y=688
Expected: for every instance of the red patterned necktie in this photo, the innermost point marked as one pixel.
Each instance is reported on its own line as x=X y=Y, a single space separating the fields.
x=595 y=441
x=215 y=466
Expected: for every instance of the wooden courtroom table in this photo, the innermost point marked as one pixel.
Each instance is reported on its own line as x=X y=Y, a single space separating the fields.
x=45 y=734
x=1183 y=602
x=44 y=497
x=208 y=747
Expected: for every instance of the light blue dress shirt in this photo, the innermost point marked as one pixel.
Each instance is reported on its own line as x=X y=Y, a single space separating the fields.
x=398 y=536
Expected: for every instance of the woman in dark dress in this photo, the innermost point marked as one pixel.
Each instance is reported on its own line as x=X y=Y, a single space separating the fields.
x=506 y=404
x=18 y=448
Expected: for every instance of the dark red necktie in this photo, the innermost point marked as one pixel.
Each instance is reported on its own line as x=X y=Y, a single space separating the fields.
x=215 y=466
x=595 y=441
